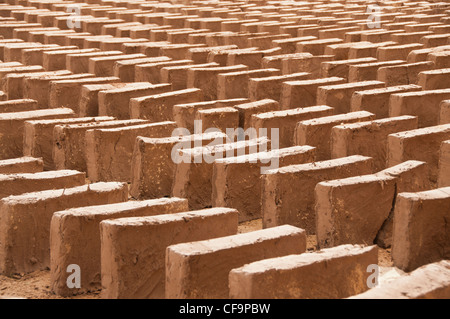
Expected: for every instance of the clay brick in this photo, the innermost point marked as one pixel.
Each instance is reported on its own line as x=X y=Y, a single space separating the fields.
x=236 y=180
x=427 y=282
x=289 y=45
x=274 y=61
x=124 y=69
x=303 y=93
x=218 y=118
x=271 y=87
x=286 y=120
x=402 y=74
x=150 y=72
x=104 y=66
x=337 y=272
x=89 y=97
x=309 y=64
x=206 y=79
x=67 y=93
x=340 y=68
x=235 y=84
x=369 y=50
x=444 y=114
x=12 y=128
x=17 y=184
x=21 y=165
x=200 y=55
x=421 y=144
x=376 y=101
x=20 y=213
x=353 y=139
x=109 y=151
x=247 y=110
x=124 y=239
x=69 y=245
x=190 y=267
x=56 y=60
x=317 y=132
x=397 y=52
x=444 y=165
x=177 y=75
x=35 y=56
x=194 y=169
x=434 y=79
x=69 y=142
x=38 y=137
x=152 y=165
x=339 y=95
x=420 y=236
x=116 y=102
x=288 y=192
x=184 y=114
x=19 y=105
x=79 y=63
x=368 y=71
x=424 y=104
x=316 y=47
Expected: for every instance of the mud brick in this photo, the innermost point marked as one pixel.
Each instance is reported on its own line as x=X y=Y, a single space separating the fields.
x=275 y=61
x=368 y=71
x=221 y=56
x=336 y=33
x=235 y=84
x=250 y=247
x=6 y=30
x=104 y=66
x=352 y=139
x=316 y=47
x=116 y=102
x=158 y=107
x=409 y=37
x=219 y=118
x=13 y=85
x=427 y=282
x=79 y=63
x=194 y=169
x=184 y=114
x=21 y=165
x=12 y=127
x=69 y=142
x=177 y=75
x=35 y=56
x=419 y=235
x=109 y=151
x=402 y=74
x=424 y=104
x=311 y=64
x=341 y=50
x=19 y=105
x=150 y=72
x=123 y=239
x=206 y=78
x=435 y=40
x=285 y=121
x=246 y=110
x=378 y=36
x=339 y=95
x=440 y=59
x=369 y=50
x=177 y=51
x=56 y=60
x=434 y=79
x=67 y=93
x=252 y=59
x=403 y=146
x=152 y=165
x=444 y=165
x=317 y=132
x=124 y=69
x=200 y=55
x=444 y=115
x=396 y=52
x=38 y=137
x=182 y=36
x=264 y=42
x=329 y=273
x=236 y=180
x=304 y=93
x=89 y=97
x=85 y=245
x=13 y=51
x=118 y=43
x=22 y=211
x=22 y=34
x=289 y=45
x=4 y=72
x=271 y=87
x=17 y=184
x=376 y=101
x=341 y=67
x=288 y=192
x=112 y=29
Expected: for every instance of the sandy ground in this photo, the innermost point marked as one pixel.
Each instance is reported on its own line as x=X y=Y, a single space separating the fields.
x=36 y=285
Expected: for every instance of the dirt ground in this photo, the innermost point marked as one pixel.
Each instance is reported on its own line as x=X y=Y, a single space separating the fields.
x=36 y=285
